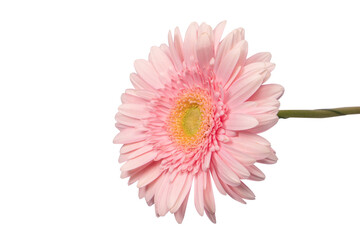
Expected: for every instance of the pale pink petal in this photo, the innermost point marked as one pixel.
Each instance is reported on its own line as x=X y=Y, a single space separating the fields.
x=129 y=97
x=235 y=57
x=175 y=190
x=142 y=192
x=256 y=173
x=160 y=197
x=227 y=44
x=246 y=144
x=211 y=216
x=232 y=148
x=243 y=191
x=238 y=122
x=152 y=188
x=149 y=174
x=217 y=180
x=226 y=174
x=270 y=159
x=130 y=135
x=266 y=121
x=127 y=121
x=241 y=91
x=165 y=48
x=180 y=213
x=235 y=165
x=218 y=31
x=254 y=108
x=138 y=82
x=204 y=50
x=190 y=44
x=207 y=159
x=134 y=174
x=139 y=161
x=125 y=174
x=161 y=63
x=209 y=200
x=184 y=192
x=131 y=147
x=135 y=111
x=199 y=193
x=178 y=44
x=174 y=54
x=147 y=72
x=259 y=57
x=268 y=91
x=234 y=194
x=140 y=151
x=256 y=67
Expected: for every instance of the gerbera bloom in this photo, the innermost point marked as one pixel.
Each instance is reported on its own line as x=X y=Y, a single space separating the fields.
x=194 y=115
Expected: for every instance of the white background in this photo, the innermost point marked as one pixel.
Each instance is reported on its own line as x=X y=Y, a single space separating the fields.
x=63 y=67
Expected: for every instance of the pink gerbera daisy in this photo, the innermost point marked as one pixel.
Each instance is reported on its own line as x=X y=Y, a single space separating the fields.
x=194 y=115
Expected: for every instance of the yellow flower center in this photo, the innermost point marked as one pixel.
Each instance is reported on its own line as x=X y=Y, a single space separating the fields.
x=190 y=118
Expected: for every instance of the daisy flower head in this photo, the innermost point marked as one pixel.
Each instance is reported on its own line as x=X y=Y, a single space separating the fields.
x=193 y=119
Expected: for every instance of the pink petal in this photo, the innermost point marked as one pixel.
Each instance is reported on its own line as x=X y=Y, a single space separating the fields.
x=178 y=44
x=256 y=173
x=233 y=58
x=259 y=57
x=147 y=72
x=138 y=82
x=152 y=188
x=199 y=193
x=271 y=159
x=185 y=191
x=246 y=145
x=130 y=135
x=227 y=44
x=139 y=161
x=258 y=66
x=129 y=97
x=174 y=54
x=266 y=121
x=226 y=174
x=176 y=187
x=149 y=174
x=236 y=165
x=131 y=147
x=217 y=180
x=211 y=216
x=254 y=108
x=161 y=62
x=230 y=190
x=135 y=111
x=232 y=148
x=207 y=159
x=140 y=151
x=209 y=200
x=243 y=191
x=160 y=198
x=127 y=121
x=180 y=213
x=204 y=50
x=142 y=192
x=267 y=91
x=238 y=122
x=218 y=31
x=190 y=44
x=241 y=91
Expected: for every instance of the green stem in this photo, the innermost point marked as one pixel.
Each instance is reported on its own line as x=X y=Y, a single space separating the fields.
x=318 y=113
